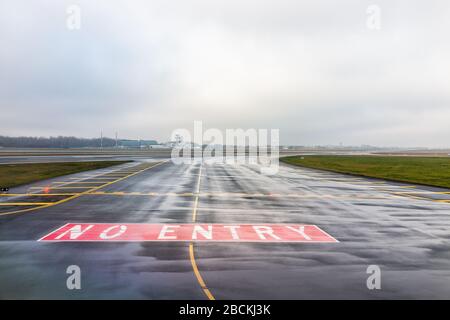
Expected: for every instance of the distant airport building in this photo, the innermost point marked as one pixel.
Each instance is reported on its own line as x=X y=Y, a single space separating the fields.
x=125 y=143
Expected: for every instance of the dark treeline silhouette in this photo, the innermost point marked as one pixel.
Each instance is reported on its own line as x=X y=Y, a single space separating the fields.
x=54 y=142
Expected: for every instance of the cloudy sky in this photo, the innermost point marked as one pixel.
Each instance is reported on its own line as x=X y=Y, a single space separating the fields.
x=320 y=71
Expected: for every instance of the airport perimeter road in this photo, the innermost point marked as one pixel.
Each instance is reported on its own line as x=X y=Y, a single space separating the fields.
x=403 y=229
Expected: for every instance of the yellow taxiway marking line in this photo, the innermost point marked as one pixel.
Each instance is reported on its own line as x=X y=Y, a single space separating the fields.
x=100 y=180
x=197 y=273
x=121 y=173
x=91 y=178
x=120 y=193
x=82 y=193
x=24 y=203
x=114 y=174
x=94 y=180
x=239 y=194
x=369 y=183
x=187 y=194
x=260 y=195
x=76 y=182
x=421 y=192
x=126 y=172
x=35 y=194
x=98 y=177
x=392 y=188
x=414 y=197
x=118 y=177
x=56 y=187
x=191 y=245
x=403 y=187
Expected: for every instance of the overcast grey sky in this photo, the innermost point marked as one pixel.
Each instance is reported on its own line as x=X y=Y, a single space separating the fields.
x=313 y=69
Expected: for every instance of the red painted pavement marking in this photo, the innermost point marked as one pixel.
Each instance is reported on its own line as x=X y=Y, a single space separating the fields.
x=189 y=232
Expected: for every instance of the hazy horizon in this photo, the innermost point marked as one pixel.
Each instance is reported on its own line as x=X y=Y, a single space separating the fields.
x=144 y=68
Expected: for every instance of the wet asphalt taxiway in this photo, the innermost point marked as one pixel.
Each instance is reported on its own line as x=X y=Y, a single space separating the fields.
x=403 y=229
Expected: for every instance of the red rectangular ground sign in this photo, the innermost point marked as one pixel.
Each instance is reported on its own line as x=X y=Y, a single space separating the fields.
x=189 y=232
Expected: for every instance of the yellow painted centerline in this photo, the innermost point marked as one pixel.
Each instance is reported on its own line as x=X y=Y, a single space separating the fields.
x=191 y=245
x=197 y=273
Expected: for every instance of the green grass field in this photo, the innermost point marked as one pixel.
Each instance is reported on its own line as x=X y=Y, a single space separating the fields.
x=12 y=175
x=432 y=171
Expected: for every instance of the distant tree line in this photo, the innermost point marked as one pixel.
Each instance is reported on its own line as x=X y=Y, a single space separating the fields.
x=54 y=142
